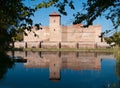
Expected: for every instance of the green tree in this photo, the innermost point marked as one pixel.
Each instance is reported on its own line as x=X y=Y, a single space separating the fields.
x=18 y=37
x=108 y=40
x=12 y=13
x=92 y=9
x=60 y=4
x=115 y=38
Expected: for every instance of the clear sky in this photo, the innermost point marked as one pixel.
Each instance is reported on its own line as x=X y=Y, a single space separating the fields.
x=42 y=15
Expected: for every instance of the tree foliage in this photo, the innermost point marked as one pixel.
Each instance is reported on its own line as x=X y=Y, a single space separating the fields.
x=95 y=8
x=60 y=4
x=12 y=13
x=114 y=39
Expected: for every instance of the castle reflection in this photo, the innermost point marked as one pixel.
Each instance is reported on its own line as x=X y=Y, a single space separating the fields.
x=56 y=61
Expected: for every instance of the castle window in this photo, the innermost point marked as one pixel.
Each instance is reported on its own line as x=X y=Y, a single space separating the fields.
x=54 y=21
x=54 y=29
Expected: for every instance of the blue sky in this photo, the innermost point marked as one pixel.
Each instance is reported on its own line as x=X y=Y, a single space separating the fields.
x=42 y=15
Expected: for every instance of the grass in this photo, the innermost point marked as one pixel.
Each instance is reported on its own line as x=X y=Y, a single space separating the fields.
x=70 y=49
x=117 y=54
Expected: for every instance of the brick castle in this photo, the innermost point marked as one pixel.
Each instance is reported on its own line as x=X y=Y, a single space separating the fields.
x=58 y=36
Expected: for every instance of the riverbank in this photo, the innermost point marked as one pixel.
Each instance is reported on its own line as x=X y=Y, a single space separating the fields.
x=66 y=49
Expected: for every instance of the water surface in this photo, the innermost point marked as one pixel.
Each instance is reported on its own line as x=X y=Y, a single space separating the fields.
x=60 y=70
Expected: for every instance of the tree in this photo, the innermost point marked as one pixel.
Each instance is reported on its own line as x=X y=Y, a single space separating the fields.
x=12 y=13
x=60 y=4
x=95 y=8
x=114 y=39
x=19 y=36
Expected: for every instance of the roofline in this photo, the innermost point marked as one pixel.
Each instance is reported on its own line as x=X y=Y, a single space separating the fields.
x=54 y=14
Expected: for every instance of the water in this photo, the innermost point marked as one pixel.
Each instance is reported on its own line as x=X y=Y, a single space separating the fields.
x=60 y=70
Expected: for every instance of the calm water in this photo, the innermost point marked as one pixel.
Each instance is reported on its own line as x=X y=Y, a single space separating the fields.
x=60 y=70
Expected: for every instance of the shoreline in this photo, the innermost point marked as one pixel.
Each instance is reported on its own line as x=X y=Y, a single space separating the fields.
x=111 y=50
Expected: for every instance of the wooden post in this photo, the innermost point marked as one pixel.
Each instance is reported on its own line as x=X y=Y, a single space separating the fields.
x=59 y=45
x=77 y=45
x=25 y=44
x=40 y=45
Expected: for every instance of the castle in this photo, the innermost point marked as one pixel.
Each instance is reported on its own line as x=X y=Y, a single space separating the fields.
x=58 y=36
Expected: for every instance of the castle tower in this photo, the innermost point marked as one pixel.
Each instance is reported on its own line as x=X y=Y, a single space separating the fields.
x=54 y=25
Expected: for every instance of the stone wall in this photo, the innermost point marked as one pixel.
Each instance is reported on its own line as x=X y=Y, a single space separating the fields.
x=65 y=33
x=41 y=35
x=77 y=33
x=51 y=35
x=32 y=44
x=86 y=45
x=19 y=44
x=47 y=45
x=50 y=45
x=68 y=45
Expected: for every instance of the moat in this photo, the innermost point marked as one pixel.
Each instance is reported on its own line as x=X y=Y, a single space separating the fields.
x=60 y=70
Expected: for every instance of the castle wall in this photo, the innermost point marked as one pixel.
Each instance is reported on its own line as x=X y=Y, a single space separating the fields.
x=86 y=45
x=55 y=34
x=80 y=34
x=69 y=45
x=35 y=44
x=50 y=36
x=69 y=33
x=19 y=44
x=41 y=35
x=50 y=45
x=97 y=34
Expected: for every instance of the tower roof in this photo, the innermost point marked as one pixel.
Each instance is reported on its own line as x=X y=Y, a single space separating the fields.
x=54 y=14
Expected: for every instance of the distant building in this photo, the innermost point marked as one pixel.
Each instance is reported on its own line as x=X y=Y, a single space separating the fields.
x=57 y=36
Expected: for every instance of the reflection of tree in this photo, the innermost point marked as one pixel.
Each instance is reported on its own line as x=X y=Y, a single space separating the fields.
x=5 y=64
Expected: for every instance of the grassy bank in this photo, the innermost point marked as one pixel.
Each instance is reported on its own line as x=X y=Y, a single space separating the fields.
x=115 y=51
x=70 y=49
x=117 y=54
